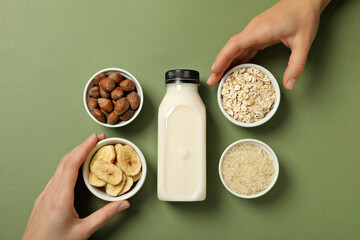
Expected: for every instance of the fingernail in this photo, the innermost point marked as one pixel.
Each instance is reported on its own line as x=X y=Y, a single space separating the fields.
x=101 y=135
x=291 y=83
x=213 y=66
x=124 y=205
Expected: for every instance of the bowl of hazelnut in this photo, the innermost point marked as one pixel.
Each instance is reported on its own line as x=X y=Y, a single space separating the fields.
x=113 y=97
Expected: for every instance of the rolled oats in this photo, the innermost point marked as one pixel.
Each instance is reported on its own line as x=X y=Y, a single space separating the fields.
x=248 y=95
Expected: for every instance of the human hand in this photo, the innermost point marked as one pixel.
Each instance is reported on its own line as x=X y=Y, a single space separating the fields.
x=54 y=216
x=292 y=22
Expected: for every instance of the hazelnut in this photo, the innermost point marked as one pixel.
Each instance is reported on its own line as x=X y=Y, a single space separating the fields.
x=121 y=106
x=133 y=99
x=99 y=115
x=92 y=104
x=112 y=118
x=107 y=84
x=127 y=115
x=105 y=113
x=117 y=93
x=94 y=92
x=127 y=85
x=104 y=94
x=117 y=77
x=106 y=104
x=98 y=78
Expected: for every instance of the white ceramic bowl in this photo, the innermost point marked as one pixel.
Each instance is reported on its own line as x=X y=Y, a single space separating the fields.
x=100 y=192
x=268 y=150
x=126 y=75
x=272 y=111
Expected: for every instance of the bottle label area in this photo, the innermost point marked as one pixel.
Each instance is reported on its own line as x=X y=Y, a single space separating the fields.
x=183 y=155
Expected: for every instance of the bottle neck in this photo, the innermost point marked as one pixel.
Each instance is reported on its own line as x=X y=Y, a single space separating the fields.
x=180 y=87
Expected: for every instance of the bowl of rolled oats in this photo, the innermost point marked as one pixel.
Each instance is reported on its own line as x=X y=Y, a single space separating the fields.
x=248 y=95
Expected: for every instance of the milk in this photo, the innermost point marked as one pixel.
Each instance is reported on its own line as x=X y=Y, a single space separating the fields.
x=182 y=141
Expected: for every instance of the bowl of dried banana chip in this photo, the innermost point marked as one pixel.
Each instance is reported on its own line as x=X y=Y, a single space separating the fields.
x=114 y=170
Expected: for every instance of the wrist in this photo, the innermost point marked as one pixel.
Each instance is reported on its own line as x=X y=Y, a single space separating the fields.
x=321 y=4
x=314 y=5
x=318 y=5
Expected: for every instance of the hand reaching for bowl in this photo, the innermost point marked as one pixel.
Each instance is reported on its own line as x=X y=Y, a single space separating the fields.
x=292 y=22
x=54 y=216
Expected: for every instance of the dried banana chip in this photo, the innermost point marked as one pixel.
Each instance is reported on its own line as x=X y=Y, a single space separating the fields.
x=107 y=172
x=114 y=190
x=95 y=181
x=129 y=161
x=118 y=148
x=137 y=176
x=128 y=184
x=106 y=154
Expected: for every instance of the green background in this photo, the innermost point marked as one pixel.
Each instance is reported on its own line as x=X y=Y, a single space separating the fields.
x=49 y=50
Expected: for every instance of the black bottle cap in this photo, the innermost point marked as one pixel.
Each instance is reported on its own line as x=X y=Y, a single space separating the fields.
x=182 y=76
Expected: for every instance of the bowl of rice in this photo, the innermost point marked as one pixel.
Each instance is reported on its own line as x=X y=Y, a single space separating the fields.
x=248 y=168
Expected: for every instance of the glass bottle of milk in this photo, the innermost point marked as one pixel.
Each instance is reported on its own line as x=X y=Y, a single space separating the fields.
x=182 y=139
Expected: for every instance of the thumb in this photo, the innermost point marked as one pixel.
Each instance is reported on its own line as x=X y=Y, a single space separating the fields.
x=99 y=218
x=296 y=65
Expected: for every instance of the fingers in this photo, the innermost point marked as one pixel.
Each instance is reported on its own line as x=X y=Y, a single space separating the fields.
x=79 y=154
x=214 y=78
x=250 y=56
x=99 y=218
x=81 y=151
x=243 y=58
x=68 y=169
x=233 y=48
x=101 y=136
x=251 y=39
x=230 y=51
x=296 y=65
